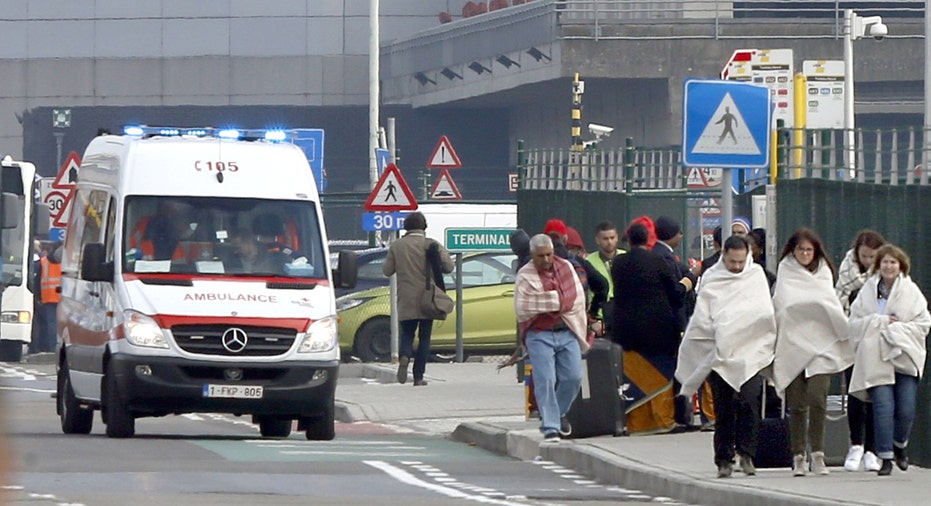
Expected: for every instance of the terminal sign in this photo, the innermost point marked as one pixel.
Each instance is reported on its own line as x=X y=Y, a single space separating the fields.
x=478 y=239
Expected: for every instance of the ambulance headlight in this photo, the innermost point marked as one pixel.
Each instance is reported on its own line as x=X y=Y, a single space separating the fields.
x=142 y=330
x=320 y=336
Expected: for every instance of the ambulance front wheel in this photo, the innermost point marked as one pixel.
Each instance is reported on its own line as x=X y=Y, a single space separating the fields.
x=323 y=426
x=270 y=426
x=120 y=421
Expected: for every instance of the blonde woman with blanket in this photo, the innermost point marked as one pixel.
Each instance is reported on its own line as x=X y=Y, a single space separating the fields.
x=811 y=344
x=730 y=338
x=854 y=270
x=889 y=321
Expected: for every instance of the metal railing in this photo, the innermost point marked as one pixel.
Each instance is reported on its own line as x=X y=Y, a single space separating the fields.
x=882 y=156
x=627 y=169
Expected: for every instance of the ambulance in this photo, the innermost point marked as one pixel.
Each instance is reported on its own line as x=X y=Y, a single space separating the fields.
x=195 y=278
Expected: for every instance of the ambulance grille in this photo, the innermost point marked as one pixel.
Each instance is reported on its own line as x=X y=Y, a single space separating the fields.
x=208 y=340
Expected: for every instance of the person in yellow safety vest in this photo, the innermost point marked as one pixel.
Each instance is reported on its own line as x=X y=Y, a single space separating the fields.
x=607 y=239
x=49 y=295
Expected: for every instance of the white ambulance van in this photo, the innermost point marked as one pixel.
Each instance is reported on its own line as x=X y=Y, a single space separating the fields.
x=195 y=278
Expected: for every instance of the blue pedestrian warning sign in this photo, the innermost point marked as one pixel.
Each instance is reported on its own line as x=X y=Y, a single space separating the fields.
x=726 y=124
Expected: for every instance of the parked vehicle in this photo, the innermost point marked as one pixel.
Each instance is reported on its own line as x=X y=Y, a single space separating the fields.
x=370 y=262
x=193 y=280
x=489 y=323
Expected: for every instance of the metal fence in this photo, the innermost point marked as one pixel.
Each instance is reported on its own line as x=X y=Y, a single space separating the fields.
x=881 y=156
x=888 y=156
x=627 y=169
x=826 y=18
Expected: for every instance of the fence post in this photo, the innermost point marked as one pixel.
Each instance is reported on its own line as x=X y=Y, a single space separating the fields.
x=628 y=165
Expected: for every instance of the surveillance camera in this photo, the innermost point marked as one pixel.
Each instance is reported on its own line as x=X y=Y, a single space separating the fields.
x=879 y=30
x=600 y=130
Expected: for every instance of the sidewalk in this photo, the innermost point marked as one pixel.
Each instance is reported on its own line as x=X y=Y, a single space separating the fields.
x=484 y=408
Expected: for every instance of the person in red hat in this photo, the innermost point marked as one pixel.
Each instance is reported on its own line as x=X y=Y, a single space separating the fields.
x=592 y=281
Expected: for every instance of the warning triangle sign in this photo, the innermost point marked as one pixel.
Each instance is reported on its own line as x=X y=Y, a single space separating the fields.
x=696 y=178
x=68 y=174
x=444 y=156
x=727 y=132
x=391 y=193
x=444 y=188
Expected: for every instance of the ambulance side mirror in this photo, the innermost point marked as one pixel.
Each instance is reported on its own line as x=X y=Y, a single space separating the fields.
x=94 y=266
x=347 y=270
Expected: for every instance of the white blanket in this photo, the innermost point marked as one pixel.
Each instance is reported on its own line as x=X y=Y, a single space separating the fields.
x=885 y=348
x=733 y=330
x=811 y=328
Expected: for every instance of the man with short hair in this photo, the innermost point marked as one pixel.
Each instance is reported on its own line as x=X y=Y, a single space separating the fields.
x=730 y=339
x=550 y=306
x=607 y=239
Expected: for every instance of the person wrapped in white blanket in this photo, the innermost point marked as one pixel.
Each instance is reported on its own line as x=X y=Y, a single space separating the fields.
x=811 y=344
x=730 y=338
x=889 y=321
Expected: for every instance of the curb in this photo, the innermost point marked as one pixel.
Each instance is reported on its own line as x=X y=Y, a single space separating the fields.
x=624 y=472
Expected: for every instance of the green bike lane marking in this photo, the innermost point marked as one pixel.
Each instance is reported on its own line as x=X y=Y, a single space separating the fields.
x=346 y=449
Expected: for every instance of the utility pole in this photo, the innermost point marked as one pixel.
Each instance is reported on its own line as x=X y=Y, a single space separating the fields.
x=373 y=91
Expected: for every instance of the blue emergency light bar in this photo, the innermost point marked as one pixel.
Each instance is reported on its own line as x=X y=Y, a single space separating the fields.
x=271 y=135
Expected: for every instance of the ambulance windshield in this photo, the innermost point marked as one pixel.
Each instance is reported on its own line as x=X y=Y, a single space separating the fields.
x=222 y=236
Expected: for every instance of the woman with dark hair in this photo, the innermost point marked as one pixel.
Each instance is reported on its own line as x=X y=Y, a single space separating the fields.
x=853 y=273
x=811 y=344
x=889 y=321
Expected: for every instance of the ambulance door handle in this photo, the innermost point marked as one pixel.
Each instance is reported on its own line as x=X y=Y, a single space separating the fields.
x=93 y=293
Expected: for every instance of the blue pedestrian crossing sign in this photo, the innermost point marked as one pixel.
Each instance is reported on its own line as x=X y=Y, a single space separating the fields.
x=725 y=124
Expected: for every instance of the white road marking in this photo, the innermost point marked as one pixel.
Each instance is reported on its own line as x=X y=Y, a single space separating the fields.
x=409 y=479
x=24 y=389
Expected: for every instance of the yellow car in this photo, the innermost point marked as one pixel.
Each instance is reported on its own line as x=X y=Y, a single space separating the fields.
x=488 y=321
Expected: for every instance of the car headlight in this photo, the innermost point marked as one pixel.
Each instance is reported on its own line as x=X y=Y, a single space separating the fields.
x=142 y=330
x=319 y=336
x=344 y=303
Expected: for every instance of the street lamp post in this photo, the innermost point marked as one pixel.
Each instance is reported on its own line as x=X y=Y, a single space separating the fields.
x=855 y=28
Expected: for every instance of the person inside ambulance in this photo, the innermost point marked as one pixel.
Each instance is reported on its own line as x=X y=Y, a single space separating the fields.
x=161 y=233
x=270 y=231
x=250 y=256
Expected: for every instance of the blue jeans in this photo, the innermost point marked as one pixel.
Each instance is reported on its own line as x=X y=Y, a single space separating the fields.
x=557 y=373
x=406 y=344
x=893 y=413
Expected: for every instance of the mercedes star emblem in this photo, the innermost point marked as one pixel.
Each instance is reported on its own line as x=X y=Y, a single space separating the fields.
x=235 y=339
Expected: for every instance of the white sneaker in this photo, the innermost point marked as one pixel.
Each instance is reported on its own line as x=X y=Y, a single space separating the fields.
x=799 y=465
x=871 y=462
x=854 y=458
x=818 y=465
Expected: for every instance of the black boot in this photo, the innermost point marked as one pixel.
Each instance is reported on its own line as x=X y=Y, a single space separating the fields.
x=901 y=459
x=886 y=469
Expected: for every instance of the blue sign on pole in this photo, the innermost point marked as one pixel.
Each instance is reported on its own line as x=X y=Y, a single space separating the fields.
x=311 y=141
x=374 y=222
x=382 y=159
x=725 y=124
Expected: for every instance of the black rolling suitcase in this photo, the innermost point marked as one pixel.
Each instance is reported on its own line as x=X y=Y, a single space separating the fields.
x=599 y=408
x=773 y=437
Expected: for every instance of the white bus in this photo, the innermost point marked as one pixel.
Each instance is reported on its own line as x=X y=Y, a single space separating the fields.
x=17 y=180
